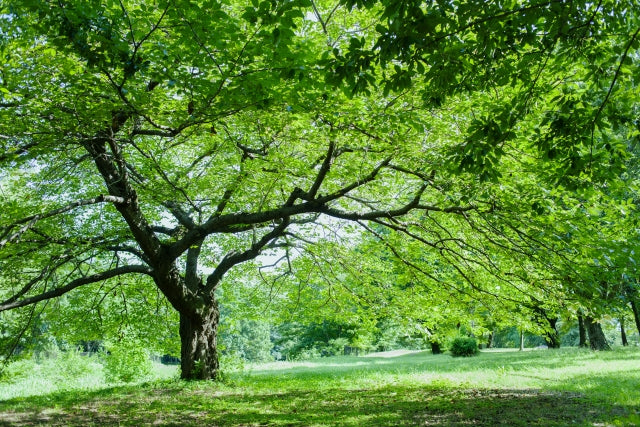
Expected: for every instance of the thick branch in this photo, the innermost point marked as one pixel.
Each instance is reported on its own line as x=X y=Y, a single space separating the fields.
x=414 y=204
x=191 y=273
x=324 y=169
x=319 y=17
x=166 y=230
x=359 y=183
x=128 y=249
x=119 y=186
x=183 y=217
x=45 y=272
x=242 y=220
x=236 y=258
x=75 y=284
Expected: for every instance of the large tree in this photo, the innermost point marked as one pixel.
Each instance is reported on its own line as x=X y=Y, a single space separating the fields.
x=177 y=140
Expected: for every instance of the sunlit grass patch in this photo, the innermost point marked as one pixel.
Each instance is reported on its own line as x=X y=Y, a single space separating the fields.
x=546 y=388
x=67 y=371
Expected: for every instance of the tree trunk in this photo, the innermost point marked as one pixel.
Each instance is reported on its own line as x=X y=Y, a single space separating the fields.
x=597 y=341
x=490 y=340
x=521 y=341
x=582 y=331
x=435 y=347
x=199 y=353
x=636 y=315
x=433 y=341
x=551 y=337
x=623 y=333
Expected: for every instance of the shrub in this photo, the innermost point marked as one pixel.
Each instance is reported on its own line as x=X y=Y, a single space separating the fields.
x=248 y=339
x=127 y=361
x=335 y=347
x=71 y=364
x=20 y=369
x=464 y=346
x=52 y=371
x=231 y=363
x=307 y=354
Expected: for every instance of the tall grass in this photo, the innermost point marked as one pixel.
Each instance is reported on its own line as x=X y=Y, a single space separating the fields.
x=64 y=371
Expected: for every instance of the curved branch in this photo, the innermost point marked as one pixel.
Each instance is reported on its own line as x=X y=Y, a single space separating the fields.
x=31 y=220
x=324 y=169
x=359 y=183
x=119 y=186
x=414 y=204
x=244 y=220
x=235 y=258
x=128 y=249
x=18 y=150
x=180 y=214
x=8 y=305
x=45 y=272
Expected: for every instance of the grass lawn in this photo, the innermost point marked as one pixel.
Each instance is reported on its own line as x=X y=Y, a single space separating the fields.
x=542 y=387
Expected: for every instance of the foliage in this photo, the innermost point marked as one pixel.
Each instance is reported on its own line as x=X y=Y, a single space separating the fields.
x=231 y=363
x=294 y=341
x=52 y=371
x=392 y=335
x=463 y=347
x=65 y=366
x=510 y=338
x=126 y=361
x=248 y=339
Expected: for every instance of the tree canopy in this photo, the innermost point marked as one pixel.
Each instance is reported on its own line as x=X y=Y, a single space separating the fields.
x=166 y=144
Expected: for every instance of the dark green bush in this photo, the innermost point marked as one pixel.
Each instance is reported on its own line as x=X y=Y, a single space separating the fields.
x=464 y=347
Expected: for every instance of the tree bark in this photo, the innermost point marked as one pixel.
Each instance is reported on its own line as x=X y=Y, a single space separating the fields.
x=198 y=336
x=636 y=315
x=582 y=330
x=551 y=337
x=521 y=341
x=435 y=347
x=597 y=341
x=490 y=340
x=433 y=341
x=623 y=333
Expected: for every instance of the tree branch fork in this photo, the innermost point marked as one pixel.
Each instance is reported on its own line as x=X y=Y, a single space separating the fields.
x=298 y=205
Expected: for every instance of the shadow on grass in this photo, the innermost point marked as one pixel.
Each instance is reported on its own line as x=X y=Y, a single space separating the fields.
x=355 y=392
x=186 y=405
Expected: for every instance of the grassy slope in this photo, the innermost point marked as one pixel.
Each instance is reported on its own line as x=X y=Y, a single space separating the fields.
x=565 y=387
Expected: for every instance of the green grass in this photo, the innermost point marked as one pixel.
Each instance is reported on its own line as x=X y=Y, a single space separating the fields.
x=63 y=372
x=545 y=387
